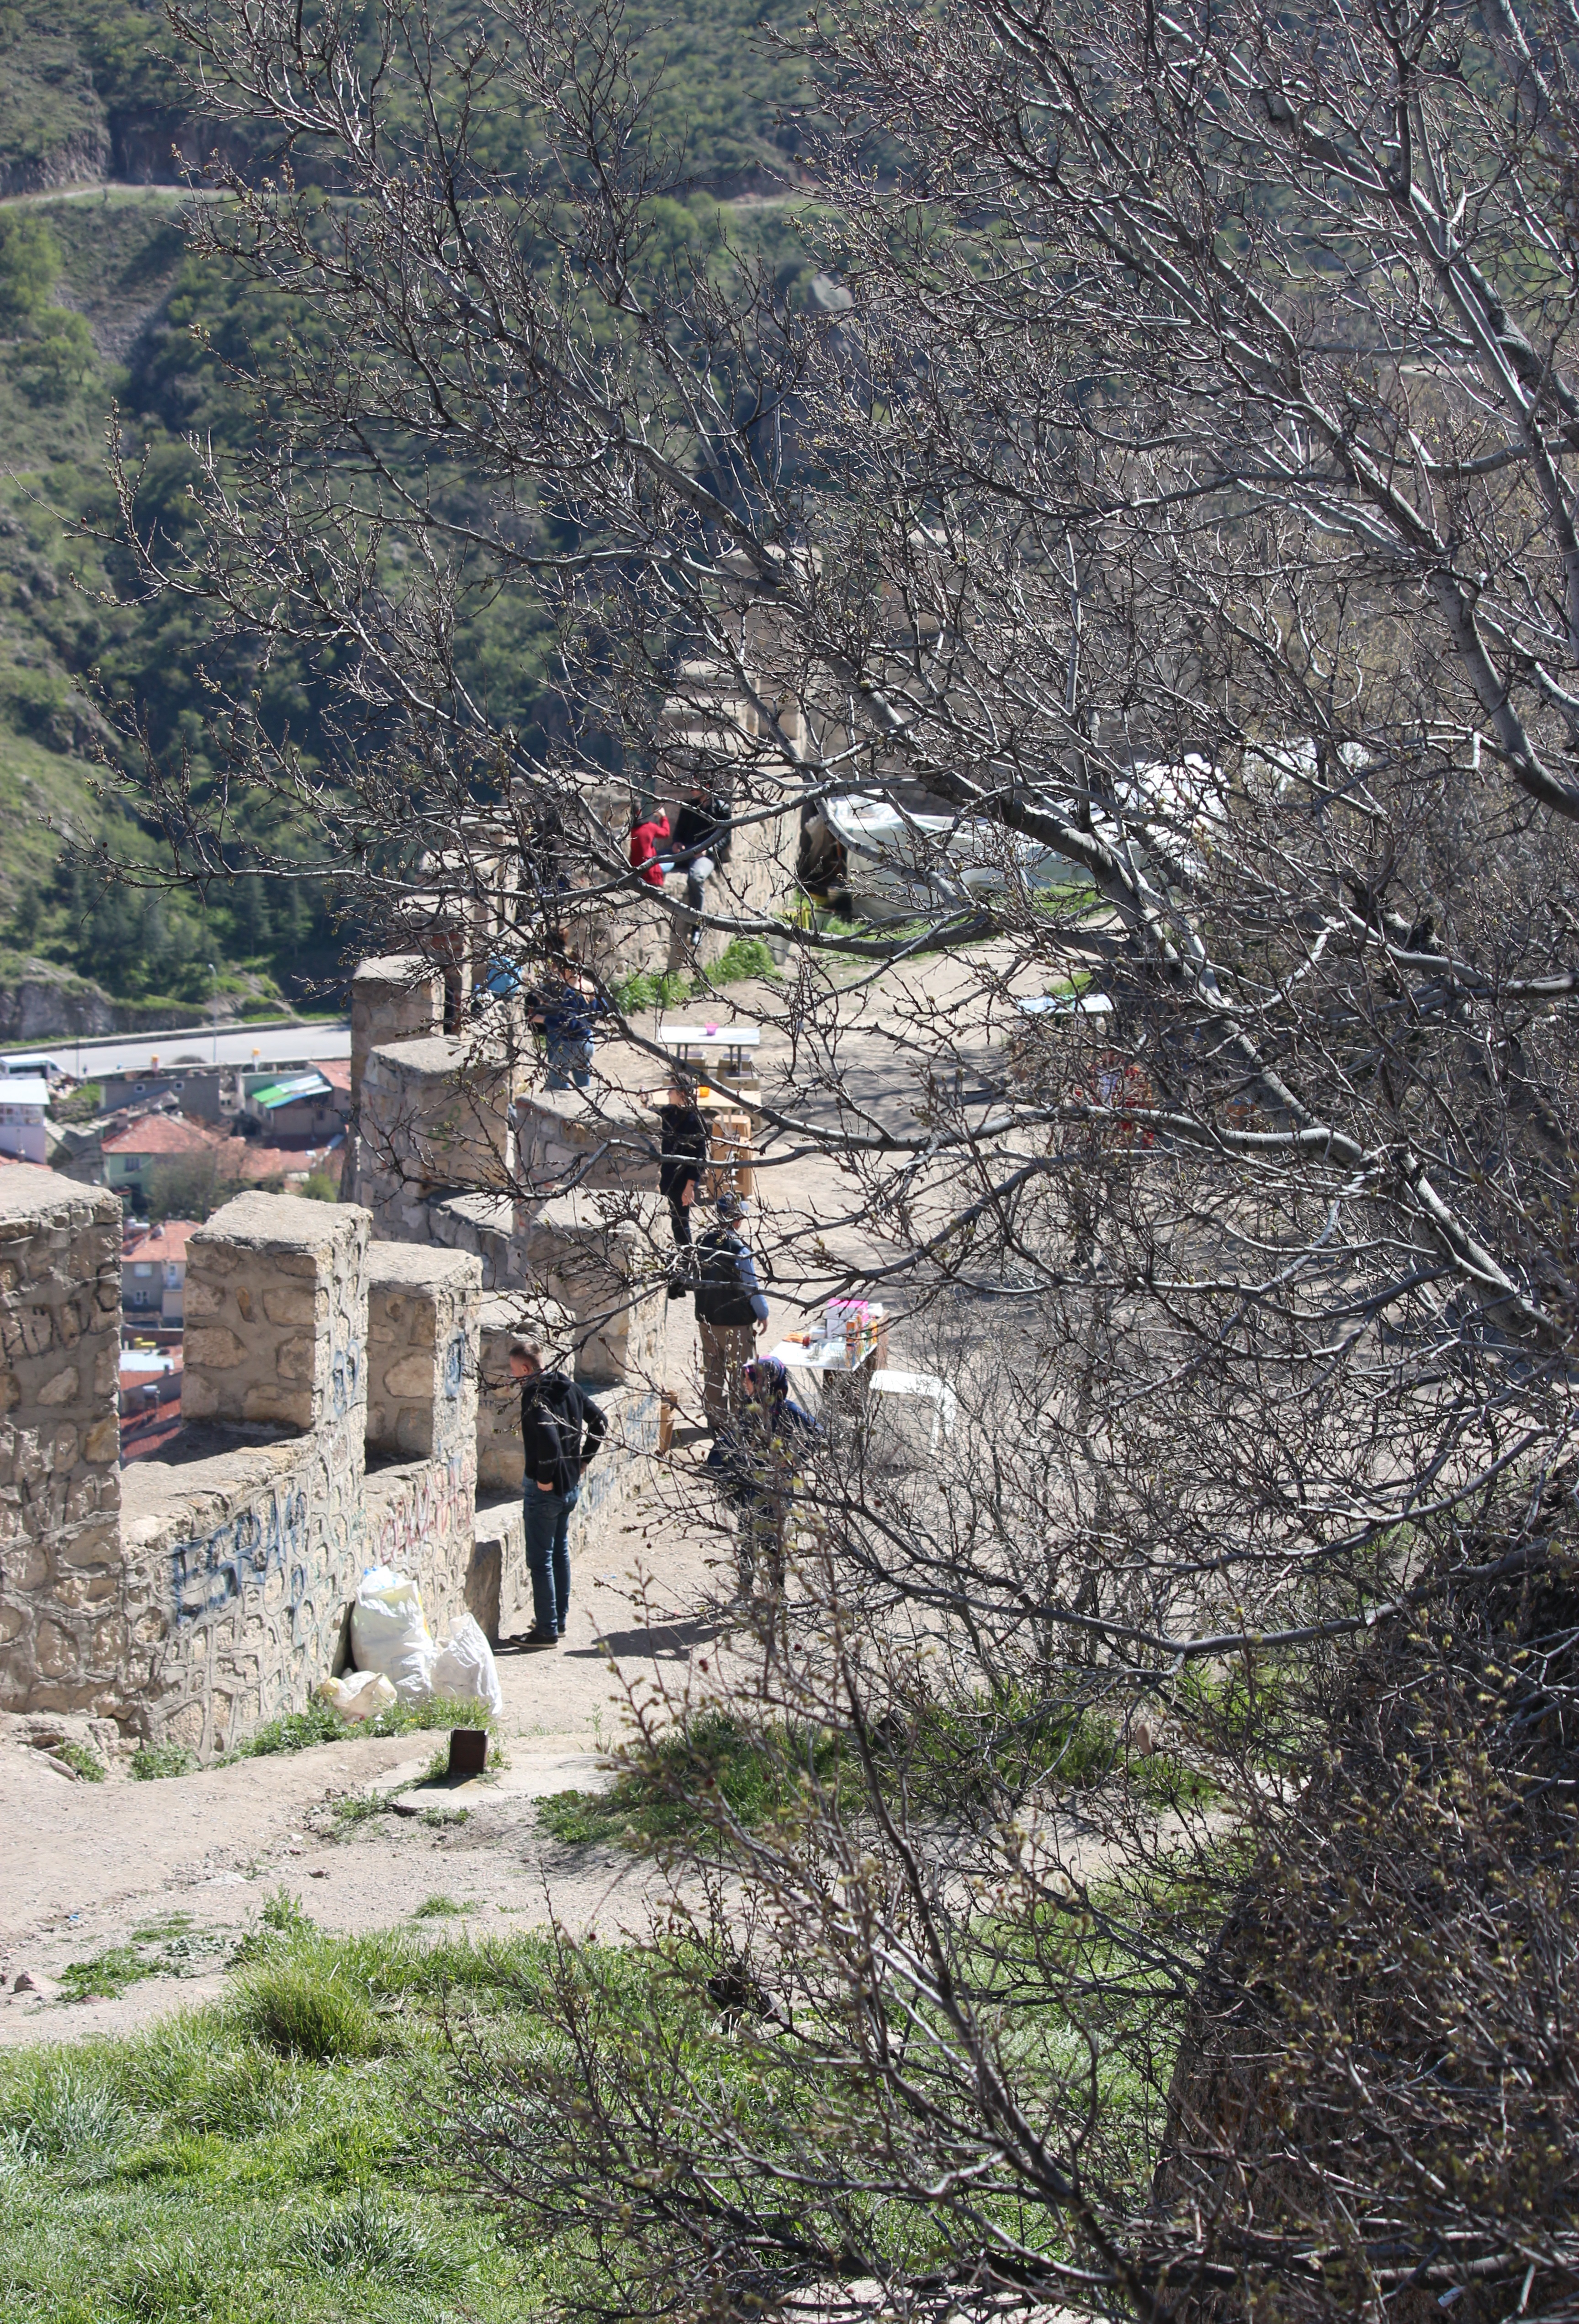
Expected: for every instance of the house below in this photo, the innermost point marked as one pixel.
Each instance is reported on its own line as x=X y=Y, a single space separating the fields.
x=153 y=1272
x=24 y=1100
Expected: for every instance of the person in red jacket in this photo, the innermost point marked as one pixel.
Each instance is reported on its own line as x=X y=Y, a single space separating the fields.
x=648 y=839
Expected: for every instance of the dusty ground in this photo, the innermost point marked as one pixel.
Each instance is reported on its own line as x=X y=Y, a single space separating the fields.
x=87 y=1865
x=190 y=1860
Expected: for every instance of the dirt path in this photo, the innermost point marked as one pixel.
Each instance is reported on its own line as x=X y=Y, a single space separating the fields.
x=177 y=1870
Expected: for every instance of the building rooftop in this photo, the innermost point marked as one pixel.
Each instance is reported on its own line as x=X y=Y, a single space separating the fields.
x=167 y=1241
x=23 y=1089
x=164 y=1133
x=287 y=1093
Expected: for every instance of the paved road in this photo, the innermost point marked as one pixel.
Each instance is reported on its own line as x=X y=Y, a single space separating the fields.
x=243 y=1045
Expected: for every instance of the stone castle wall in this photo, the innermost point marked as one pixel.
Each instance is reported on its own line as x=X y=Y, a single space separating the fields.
x=61 y=1619
x=197 y=1596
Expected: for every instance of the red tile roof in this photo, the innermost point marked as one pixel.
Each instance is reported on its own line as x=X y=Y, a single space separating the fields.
x=167 y=1241
x=257 y=1161
x=336 y=1072
x=164 y=1133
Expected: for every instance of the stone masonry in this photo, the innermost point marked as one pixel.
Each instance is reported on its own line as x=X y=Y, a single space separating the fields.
x=60 y=1615
x=433 y=1114
x=198 y=1596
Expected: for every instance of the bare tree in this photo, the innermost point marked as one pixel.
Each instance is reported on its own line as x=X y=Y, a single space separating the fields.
x=1167 y=537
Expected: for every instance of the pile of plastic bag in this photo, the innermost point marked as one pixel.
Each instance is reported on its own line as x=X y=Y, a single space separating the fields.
x=398 y=1660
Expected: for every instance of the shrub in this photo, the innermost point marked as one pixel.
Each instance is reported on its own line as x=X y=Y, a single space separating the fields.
x=151 y=1762
x=742 y=957
x=300 y=2008
x=83 y=1761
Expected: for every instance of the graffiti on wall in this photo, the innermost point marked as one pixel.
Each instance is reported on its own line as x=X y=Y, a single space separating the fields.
x=269 y=1537
x=430 y=1512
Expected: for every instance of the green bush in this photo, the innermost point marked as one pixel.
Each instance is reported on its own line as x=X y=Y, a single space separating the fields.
x=30 y=260
x=742 y=957
x=106 y=1976
x=300 y=2007
x=58 y=360
x=81 y=1761
x=151 y=1762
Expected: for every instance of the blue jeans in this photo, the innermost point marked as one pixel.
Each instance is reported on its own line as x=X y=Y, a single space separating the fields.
x=547 y=1559
x=570 y=1061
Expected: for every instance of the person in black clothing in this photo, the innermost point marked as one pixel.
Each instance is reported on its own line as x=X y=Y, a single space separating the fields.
x=701 y=840
x=562 y=1429
x=682 y=1152
x=731 y=1311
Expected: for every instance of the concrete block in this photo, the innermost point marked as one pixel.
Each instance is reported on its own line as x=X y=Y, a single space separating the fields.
x=270 y=1353
x=422 y=1311
x=596 y=1140
x=597 y=1255
x=432 y=1114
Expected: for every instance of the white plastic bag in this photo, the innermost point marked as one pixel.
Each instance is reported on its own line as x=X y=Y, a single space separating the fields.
x=359 y=1694
x=388 y=1633
x=465 y=1665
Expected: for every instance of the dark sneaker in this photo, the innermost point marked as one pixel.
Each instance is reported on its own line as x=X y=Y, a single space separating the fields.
x=535 y=1641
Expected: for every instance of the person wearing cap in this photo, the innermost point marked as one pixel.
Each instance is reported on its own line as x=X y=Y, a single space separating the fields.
x=731 y=1310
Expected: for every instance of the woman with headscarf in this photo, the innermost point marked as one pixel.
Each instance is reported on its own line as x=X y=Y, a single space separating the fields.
x=756 y=1460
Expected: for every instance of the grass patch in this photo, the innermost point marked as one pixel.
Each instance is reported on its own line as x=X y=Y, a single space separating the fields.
x=756 y=1775
x=356 y=1807
x=106 y=1976
x=82 y=1760
x=742 y=957
x=152 y=1763
x=299 y=2005
x=195 y=2174
x=439 y=1908
x=967 y=1759
x=301 y=1730
x=170 y=1947
x=268 y=2160
x=632 y=995
x=262 y=2161
x=372 y=2238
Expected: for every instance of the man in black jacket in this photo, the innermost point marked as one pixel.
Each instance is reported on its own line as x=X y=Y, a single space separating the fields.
x=701 y=839
x=731 y=1311
x=701 y=842
x=561 y=1428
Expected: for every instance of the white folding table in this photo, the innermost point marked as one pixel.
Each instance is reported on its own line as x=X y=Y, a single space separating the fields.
x=700 y=1044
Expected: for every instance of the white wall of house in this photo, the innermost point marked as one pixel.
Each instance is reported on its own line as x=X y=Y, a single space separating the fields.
x=23 y=1107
